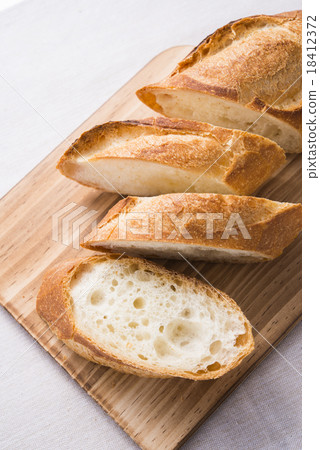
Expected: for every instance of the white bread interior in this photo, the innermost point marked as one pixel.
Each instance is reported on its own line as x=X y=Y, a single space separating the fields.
x=187 y=104
x=161 y=320
x=159 y=156
x=144 y=178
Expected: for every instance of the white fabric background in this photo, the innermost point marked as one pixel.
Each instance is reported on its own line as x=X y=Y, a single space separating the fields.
x=66 y=58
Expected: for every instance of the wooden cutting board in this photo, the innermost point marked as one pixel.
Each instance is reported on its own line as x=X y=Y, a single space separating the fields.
x=157 y=414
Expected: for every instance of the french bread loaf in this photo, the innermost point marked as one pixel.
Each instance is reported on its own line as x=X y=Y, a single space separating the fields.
x=158 y=156
x=210 y=227
x=246 y=75
x=139 y=318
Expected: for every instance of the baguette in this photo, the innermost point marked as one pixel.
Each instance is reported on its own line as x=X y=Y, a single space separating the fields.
x=159 y=156
x=139 y=318
x=210 y=227
x=245 y=69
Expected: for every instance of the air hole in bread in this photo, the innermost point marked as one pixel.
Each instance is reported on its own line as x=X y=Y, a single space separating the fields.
x=114 y=282
x=110 y=327
x=133 y=324
x=161 y=347
x=205 y=51
x=209 y=293
x=213 y=367
x=143 y=276
x=139 y=303
x=161 y=328
x=241 y=340
x=142 y=357
x=145 y=322
x=215 y=347
x=97 y=297
x=182 y=332
x=186 y=313
x=133 y=268
x=200 y=372
x=228 y=326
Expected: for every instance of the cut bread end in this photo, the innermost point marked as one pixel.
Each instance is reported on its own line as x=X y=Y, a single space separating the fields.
x=143 y=178
x=159 y=156
x=139 y=318
x=203 y=107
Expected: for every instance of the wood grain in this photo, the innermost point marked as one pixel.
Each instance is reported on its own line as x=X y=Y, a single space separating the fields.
x=157 y=414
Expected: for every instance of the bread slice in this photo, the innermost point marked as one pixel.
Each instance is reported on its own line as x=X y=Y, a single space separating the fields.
x=158 y=156
x=210 y=227
x=139 y=318
x=245 y=69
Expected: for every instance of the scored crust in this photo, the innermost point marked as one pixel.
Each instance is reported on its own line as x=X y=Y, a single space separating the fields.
x=272 y=226
x=241 y=161
x=257 y=83
x=54 y=305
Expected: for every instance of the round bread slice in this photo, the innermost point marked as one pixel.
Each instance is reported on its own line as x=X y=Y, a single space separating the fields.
x=139 y=318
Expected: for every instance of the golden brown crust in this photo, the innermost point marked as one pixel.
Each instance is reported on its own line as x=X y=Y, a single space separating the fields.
x=53 y=301
x=272 y=226
x=54 y=305
x=262 y=72
x=240 y=161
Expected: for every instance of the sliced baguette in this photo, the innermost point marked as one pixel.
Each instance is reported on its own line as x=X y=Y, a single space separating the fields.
x=158 y=156
x=249 y=229
x=246 y=68
x=139 y=318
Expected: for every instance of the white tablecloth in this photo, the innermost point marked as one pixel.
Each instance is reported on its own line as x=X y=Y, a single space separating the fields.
x=66 y=58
